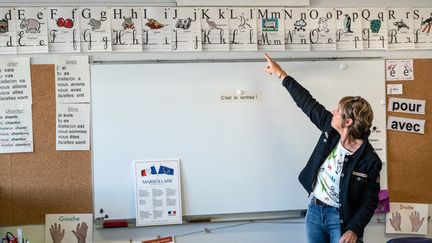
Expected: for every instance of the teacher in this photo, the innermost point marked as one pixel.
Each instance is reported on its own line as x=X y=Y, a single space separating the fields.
x=342 y=174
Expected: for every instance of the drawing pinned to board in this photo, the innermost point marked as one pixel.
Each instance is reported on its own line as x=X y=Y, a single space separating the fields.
x=64 y=33
x=32 y=30
x=126 y=29
x=323 y=29
x=399 y=70
x=296 y=29
x=400 y=29
x=95 y=28
x=186 y=33
x=271 y=29
x=407 y=218
x=374 y=34
x=156 y=32
x=4 y=26
x=422 y=28
x=427 y=24
x=154 y=24
x=215 y=29
x=243 y=29
x=348 y=29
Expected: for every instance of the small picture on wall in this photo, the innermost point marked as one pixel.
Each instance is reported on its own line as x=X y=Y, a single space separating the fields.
x=65 y=228
x=407 y=218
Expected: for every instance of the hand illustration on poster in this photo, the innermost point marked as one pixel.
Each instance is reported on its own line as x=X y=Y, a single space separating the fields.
x=407 y=218
x=416 y=222
x=395 y=221
x=57 y=234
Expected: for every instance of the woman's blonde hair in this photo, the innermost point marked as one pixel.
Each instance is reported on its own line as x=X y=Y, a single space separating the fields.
x=360 y=112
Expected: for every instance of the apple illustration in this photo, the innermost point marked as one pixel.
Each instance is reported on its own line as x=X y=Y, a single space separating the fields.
x=60 y=22
x=68 y=23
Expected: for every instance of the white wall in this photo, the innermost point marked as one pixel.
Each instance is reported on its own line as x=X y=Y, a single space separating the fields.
x=250 y=233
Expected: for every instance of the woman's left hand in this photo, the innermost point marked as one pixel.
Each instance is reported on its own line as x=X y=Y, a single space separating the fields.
x=348 y=237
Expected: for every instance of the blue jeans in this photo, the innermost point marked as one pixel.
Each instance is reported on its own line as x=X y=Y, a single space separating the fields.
x=322 y=224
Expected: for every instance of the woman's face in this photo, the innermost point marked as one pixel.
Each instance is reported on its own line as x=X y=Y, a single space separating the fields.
x=337 y=119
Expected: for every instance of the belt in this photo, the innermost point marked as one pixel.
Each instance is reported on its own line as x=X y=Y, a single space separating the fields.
x=319 y=202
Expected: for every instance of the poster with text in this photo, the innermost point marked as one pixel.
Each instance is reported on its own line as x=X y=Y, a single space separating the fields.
x=270 y=29
x=400 y=27
x=374 y=31
x=243 y=29
x=126 y=28
x=32 y=30
x=72 y=79
x=73 y=127
x=63 y=29
x=186 y=29
x=8 y=31
x=215 y=29
x=15 y=82
x=156 y=29
x=157 y=192
x=348 y=29
x=297 y=29
x=422 y=18
x=95 y=26
x=323 y=29
x=68 y=228
x=407 y=218
x=16 y=132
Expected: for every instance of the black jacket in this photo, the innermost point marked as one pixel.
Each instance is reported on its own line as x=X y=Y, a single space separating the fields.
x=359 y=182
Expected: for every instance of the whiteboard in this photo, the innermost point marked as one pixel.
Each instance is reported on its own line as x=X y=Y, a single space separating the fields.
x=236 y=157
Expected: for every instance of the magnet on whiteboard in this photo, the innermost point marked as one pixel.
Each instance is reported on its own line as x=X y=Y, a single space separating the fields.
x=343 y=66
x=382 y=102
x=240 y=92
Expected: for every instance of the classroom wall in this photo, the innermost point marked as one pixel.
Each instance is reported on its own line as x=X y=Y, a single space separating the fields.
x=276 y=231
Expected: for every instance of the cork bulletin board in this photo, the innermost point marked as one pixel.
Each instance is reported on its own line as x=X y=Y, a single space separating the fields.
x=409 y=154
x=44 y=181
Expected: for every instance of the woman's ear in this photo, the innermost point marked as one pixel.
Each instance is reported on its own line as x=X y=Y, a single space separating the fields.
x=348 y=122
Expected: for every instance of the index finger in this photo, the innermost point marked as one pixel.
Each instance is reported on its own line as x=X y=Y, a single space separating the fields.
x=267 y=57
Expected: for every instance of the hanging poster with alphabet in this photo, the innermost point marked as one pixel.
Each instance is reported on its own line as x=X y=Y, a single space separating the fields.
x=323 y=29
x=156 y=29
x=8 y=31
x=95 y=26
x=422 y=18
x=186 y=29
x=297 y=29
x=126 y=28
x=374 y=28
x=63 y=29
x=407 y=218
x=399 y=70
x=400 y=27
x=403 y=124
x=32 y=30
x=73 y=127
x=15 y=82
x=72 y=79
x=69 y=228
x=16 y=132
x=271 y=29
x=215 y=29
x=348 y=29
x=157 y=192
x=243 y=29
